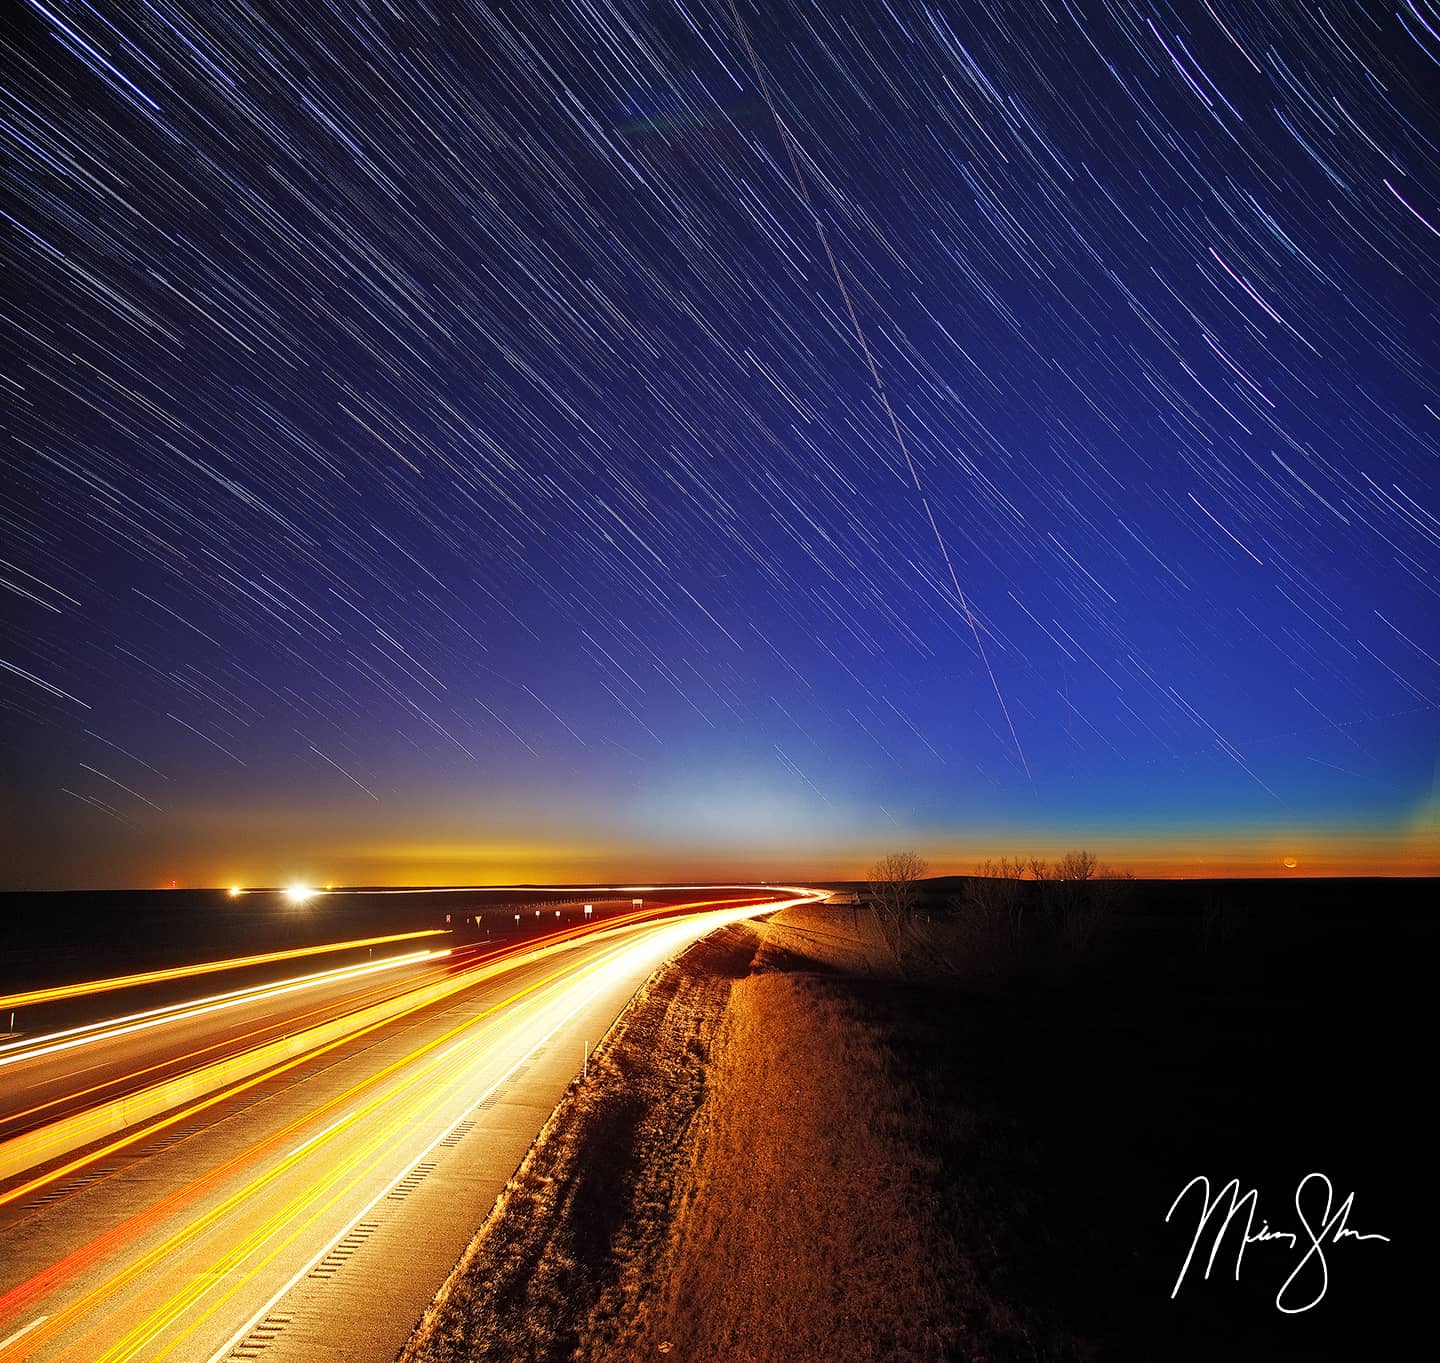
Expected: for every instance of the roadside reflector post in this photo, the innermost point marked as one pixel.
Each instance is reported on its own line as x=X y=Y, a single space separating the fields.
x=589 y=909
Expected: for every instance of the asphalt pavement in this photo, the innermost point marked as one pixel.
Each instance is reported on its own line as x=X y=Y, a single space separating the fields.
x=311 y=1214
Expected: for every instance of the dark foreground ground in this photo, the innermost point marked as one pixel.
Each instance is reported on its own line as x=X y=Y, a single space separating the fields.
x=1242 y=1030
x=64 y=936
x=814 y=1156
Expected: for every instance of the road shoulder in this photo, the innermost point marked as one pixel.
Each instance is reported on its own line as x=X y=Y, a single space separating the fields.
x=583 y=1222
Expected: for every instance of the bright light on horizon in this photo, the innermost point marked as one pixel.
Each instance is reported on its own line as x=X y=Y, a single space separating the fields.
x=235 y=891
x=300 y=894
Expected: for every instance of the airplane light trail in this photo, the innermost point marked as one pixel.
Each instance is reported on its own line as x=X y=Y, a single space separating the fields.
x=734 y=371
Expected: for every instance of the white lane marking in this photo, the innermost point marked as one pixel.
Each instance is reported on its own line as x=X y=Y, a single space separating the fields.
x=22 y=1332
x=319 y=1135
x=32 y=1048
x=230 y=1345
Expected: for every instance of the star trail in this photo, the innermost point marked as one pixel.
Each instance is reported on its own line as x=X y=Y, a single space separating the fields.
x=496 y=441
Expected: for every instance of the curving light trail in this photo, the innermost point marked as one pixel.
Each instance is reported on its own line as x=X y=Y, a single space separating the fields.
x=180 y=972
x=481 y=968
x=108 y=1029
x=180 y=1274
x=232 y=1042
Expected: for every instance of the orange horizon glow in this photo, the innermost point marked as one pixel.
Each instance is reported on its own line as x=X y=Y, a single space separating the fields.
x=272 y=862
x=1227 y=855
x=1142 y=863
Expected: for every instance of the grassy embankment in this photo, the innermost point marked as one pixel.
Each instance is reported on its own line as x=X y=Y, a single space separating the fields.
x=972 y=1156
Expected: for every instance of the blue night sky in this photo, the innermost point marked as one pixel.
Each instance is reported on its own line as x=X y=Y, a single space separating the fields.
x=442 y=444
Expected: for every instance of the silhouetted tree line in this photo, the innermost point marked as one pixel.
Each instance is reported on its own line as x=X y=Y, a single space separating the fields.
x=1070 y=903
x=894 y=891
x=1012 y=909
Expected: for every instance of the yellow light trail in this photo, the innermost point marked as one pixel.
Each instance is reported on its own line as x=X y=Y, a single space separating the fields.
x=69 y=991
x=159 y=1323
x=418 y=1094
x=159 y=1335
x=234 y=1041
x=162 y=1323
x=506 y=958
x=51 y=1043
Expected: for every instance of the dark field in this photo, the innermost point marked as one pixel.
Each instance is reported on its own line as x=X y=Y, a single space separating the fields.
x=1256 y=1030
x=973 y=1158
x=64 y=937
x=50 y=938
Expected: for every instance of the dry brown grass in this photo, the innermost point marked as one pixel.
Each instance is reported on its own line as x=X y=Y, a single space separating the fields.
x=840 y=937
x=804 y=1228
x=748 y=1176
x=589 y=1208
x=826 y=1161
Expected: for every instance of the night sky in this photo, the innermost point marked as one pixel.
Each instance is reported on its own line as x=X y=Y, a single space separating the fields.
x=438 y=445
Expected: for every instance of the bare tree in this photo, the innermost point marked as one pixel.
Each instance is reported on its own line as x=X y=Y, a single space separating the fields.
x=993 y=915
x=1076 y=866
x=892 y=890
x=1087 y=896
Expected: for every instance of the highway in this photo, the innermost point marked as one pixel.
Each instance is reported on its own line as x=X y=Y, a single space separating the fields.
x=47 y=1077
x=307 y=1199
